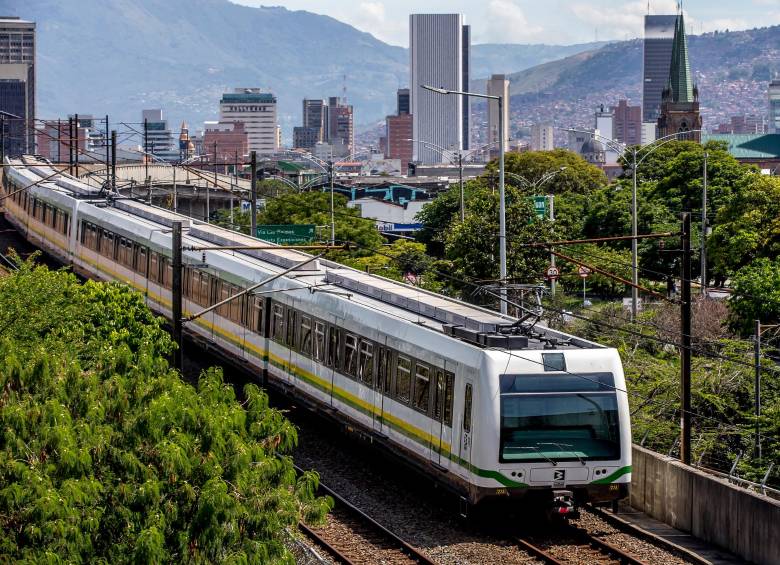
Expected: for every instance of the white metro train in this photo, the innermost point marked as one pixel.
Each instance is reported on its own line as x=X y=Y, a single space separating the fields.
x=487 y=410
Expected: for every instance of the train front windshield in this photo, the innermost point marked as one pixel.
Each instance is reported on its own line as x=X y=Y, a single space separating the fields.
x=559 y=418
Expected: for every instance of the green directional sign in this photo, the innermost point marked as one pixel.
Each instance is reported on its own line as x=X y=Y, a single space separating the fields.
x=292 y=234
x=540 y=206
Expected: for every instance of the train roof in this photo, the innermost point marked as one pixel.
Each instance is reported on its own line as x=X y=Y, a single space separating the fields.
x=473 y=324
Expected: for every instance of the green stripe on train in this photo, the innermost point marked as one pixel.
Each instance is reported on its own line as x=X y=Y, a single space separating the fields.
x=614 y=476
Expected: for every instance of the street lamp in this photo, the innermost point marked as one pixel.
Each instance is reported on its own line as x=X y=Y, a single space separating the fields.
x=622 y=150
x=501 y=194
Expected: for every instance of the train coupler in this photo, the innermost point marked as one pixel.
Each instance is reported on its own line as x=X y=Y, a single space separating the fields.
x=563 y=504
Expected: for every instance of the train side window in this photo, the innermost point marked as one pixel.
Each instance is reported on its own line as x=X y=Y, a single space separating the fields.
x=438 y=396
x=204 y=294
x=334 y=347
x=449 y=388
x=66 y=224
x=422 y=387
x=292 y=318
x=403 y=378
x=351 y=355
x=384 y=373
x=167 y=272
x=319 y=341
x=306 y=335
x=236 y=305
x=255 y=321
x=366 y=365
x=223 y=291
x=467 y=400
x=141 y=261
x=277 y=322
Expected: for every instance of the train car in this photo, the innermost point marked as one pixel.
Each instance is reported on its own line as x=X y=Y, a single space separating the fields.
x=490 y=407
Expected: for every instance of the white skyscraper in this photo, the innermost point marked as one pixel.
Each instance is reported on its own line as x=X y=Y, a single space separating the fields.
x=257 y=111
x=542 y=137
x=439 y=52
x=498 y=85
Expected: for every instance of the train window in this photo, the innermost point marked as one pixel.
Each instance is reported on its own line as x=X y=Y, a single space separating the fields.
x=383 y=370
x=66 y=224
x=204 y=291
x=236 y=305
x=403 y=379
x=107 y=244
x=351 y=355
x=422 y=387
x=223 y=291
x=292 y=317
x=306 y=335
x=366 y=366
x=334 y=349
x=438 y=396
x=141 y=262
x=467 y=408
x=167 y=272
x=319 y=341
x=277 y=322
x=154 y=267
x=449 y=393
x=256 y=314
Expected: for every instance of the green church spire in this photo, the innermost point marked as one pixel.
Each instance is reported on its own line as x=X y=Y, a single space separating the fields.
x=680 y=77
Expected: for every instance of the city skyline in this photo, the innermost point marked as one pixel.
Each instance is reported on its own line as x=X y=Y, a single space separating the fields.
x=557 y=22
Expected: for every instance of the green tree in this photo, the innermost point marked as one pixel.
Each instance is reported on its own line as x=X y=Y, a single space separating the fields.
x=107 y=455
x=756 y=294
x=747 y=226
x=579 y=176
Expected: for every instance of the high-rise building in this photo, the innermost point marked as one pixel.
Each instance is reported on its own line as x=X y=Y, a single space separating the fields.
x=680 y=100
x=498 y=85
x=17 y=84
x=158 y=138
x=341 y=124
x=542 y=137
x=257 y=111
x=404 y=104
x=399 y=136
x=439 y=48
x=627 y=125
x=657 y=58
x=774 y=106
x=315 y=116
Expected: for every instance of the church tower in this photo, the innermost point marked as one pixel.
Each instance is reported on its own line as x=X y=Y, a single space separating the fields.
x=680 y=99
x=186 y=147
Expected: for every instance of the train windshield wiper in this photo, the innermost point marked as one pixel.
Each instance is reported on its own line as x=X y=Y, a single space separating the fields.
x=562 y=445
x=555 y=463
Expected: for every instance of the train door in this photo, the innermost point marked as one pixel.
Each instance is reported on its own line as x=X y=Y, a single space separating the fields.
x=441 y=423
x=466 y=423
x=381 y=387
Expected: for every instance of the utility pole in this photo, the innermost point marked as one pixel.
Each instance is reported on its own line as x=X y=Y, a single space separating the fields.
x=551 y=199
x=176 y=307
x=2 y=138
x=332 y=211
x=685 y=347
x=175 y=194
x=108 y=157
x=502 y=206
x=703 y=251
x=59 y=141
x=76 y=149
x=146 y=149
x=757 y=385
x=634 y=245
x=462 y=199
x=253 y=196
x=70 y=145
x=113 y=159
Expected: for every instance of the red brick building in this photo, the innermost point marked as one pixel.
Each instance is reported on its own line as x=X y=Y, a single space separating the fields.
x=228 y=138
x=399 y=135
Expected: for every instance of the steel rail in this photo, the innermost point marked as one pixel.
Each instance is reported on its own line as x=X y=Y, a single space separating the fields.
x=413 y=553
x=335 y=553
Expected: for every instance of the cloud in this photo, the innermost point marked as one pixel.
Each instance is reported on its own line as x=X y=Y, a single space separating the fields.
x=624 y=22
x=371 y=16
x=506 y=22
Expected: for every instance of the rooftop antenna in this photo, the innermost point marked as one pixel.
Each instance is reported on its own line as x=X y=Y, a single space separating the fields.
x=648 y=7
x=344 y=90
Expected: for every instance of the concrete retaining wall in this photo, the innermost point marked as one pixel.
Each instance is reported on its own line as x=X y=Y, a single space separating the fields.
x=710 y=508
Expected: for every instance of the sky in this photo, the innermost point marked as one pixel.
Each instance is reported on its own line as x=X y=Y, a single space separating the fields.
x=560 y=22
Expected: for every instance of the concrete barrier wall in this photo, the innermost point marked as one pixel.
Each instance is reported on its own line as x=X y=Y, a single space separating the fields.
x=708 y=507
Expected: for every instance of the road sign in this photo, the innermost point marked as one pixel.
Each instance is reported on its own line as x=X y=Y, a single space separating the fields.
x=540 y=206
x=291 y=234
x=553 y=273
x=583 y=271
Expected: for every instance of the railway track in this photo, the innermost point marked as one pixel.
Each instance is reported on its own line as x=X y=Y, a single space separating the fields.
x=571 y=544
x=354 y=537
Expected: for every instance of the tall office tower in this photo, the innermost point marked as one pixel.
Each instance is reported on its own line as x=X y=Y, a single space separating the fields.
x=403 y=102
x=542 y=137
x=659 y=40
x=159 y=138
x=17 y=84
x=438 y=56
x=466 y=58
x=341 y=124
x=680 y=100
x=774 y=106
x=498 y=85
x=627 y=126
x=315 y=115
x=257 y=111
